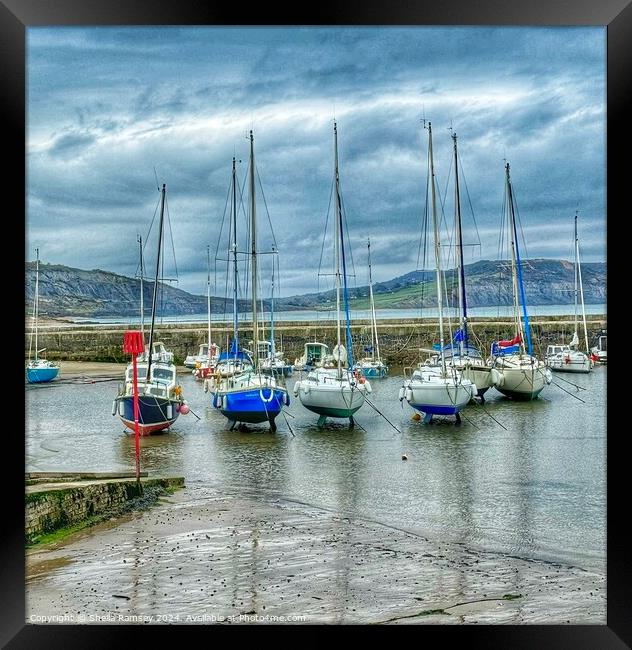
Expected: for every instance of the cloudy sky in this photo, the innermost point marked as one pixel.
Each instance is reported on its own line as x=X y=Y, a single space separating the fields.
x=106 y=106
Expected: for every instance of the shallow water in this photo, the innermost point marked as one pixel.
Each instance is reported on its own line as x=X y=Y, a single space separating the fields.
x=534 y=489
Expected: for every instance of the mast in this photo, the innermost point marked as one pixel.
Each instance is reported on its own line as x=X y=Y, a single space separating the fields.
x=235 y=276
x=344 y=269
x=272 y=347
x=253 y=251
x=437 y=248
x=155 y=295
x=581 y=288
x=516 y=271
x=142 y=290
x=575 y=278
x=375 y=347
x=459 y=243
x=208 y=297
x=36 y=310
x=337 y=246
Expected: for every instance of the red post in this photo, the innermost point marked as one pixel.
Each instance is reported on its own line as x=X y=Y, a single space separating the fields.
x=133 y=344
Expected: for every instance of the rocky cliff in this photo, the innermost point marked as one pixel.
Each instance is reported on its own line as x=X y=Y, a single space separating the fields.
x=66 y=291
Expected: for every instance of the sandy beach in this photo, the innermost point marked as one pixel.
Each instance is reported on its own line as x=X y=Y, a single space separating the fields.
x=79 y=369
x=202 y=556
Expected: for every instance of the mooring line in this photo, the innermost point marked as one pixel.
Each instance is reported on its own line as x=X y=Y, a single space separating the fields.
x=490 y=415
x=568 y=392
x=572 y=384
x=288 y=424
x=470 y=421
x=194 y=413
x=368 y=401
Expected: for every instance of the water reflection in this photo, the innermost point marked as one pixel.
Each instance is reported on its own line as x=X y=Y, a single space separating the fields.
x=536 y=488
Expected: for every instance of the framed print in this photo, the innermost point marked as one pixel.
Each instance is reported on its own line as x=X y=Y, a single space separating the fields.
x=408 y=203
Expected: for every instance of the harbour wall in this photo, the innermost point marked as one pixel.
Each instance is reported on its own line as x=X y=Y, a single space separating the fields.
x=400 y=340
x=66 y=503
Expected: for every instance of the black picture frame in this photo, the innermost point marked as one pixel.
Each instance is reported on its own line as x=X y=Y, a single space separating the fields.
x=615 y=15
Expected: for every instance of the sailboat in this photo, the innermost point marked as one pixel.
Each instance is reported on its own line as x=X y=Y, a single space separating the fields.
x=336 y=392
x=569 y=358
x=600 y=350
x=38 y=370
x=461 y=354
x=204 y=362
x=437 y=389
x=160 y=398
x=234 y=360
x=248 y=396
x=272 y=360
x=372 y=366
x=517 y=373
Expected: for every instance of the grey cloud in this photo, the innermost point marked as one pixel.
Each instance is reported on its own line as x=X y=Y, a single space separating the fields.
x=116 y=103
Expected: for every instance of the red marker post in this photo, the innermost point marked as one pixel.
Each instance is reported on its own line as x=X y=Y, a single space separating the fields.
x=133 y=344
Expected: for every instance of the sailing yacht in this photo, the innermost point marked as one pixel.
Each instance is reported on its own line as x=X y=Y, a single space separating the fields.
x=569 y=358
x=600 y=350
x=160 y=399
x=38 y=370
x=247 y=395
x=517 y=373
x=461 y=353
x=204 y=362
x=437 y=389
x=372 y=366
x=340 y=391
x=272 y=360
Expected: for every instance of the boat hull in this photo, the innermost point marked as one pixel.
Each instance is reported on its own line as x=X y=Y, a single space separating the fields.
x=602 y=357
x=251 y=405
x=373 y=372
x=480 y=376
x=442 y=397
x=203 y=372
x=155 y=414
x=574 y=365
x=331 y=401
x=523 y=382
x=41 y=375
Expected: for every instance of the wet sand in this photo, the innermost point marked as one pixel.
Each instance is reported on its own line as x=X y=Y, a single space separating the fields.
x=204 y=556
x=79 y=369
x=74 y=370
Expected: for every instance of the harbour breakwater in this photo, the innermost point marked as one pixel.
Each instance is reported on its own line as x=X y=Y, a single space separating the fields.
x=58 y=502
x=401 y=340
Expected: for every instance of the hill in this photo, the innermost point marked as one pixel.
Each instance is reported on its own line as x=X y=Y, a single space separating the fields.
x=66 y=291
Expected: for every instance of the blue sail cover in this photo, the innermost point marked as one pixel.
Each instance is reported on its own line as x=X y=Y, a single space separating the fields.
x=234 y=353
x=451 y=350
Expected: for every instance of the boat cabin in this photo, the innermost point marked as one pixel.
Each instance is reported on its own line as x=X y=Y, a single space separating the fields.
x=315 y=353
x=159 y=353
x=553 y=350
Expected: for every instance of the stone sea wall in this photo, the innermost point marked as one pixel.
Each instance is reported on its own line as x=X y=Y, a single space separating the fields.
x=400 y=339
x=62 y=506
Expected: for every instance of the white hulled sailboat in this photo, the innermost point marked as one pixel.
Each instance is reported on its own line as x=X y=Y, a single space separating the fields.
x=517 y=373
x=437 y=389
x=569 y=358
x=336 y=392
